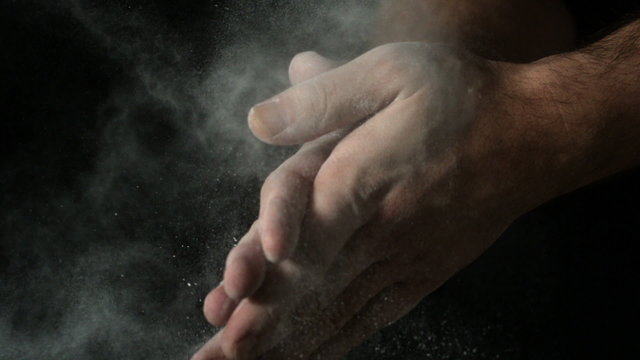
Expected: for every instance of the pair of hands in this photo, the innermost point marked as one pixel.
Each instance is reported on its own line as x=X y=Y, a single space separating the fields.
x=406 y=175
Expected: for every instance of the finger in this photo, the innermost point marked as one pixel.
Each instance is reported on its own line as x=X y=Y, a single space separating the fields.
x=363 y=268
x=285 y=194
x=362 y=252
x=340 y=203
x=332 y=220
x=283 y=201
x=359 y=265
x=387 y=307
x=218 y=306
x=260 y=321
x=310 y=296
x=352 y=185
x=257 y=319
x=211 y=350
x=337 y=210
x=307 y=65
x=245 y=266
x=315 y=323
x=331 y=101
x=241 y=338
x=337 y=207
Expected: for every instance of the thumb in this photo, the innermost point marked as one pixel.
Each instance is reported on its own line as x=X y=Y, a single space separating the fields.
x=318 y=105
x=308 y=65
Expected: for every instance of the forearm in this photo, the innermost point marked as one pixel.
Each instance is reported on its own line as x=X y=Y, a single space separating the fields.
x=579 y=115
x=514 y=30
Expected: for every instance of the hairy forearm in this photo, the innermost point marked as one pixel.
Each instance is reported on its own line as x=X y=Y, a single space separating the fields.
x=514 y=30
x=578 y=115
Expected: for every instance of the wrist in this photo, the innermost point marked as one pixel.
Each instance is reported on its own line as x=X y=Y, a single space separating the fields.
x=571 y=123
x=521 y=32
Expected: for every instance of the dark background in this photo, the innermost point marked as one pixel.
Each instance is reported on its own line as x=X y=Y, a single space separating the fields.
x=82 y=220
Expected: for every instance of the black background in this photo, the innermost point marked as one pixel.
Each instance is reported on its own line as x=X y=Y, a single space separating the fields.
x=561 y=283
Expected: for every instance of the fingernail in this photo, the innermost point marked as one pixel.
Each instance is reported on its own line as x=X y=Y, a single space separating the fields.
x=266 y=119
x=245 y=347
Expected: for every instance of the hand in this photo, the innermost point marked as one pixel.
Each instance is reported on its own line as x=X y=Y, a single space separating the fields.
x=420 y=188
x=283 y=201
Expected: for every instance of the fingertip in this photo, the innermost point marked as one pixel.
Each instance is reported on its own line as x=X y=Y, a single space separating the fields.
x=211 y=350
x=275 y=254
x=244 y=275
x=256 y=126
x=267 y=119
x=218 y=306
x=275 y=243
x=279 y=227
x=307 y=65
x=248 y=330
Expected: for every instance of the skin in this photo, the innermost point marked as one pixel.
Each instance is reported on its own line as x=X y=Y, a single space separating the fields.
x=416 y=157
x=515 y=30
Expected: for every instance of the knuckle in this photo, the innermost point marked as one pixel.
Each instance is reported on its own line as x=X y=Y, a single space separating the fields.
x=272 y=182
x=208 y=309
x=339 y=189
x=402 y=65
x=281 y=182
x=301 y=59
x=390 y=60
x=337 y=177
x=318 y=99
x=349 y=179
x=301 y=65
x=275 y=182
